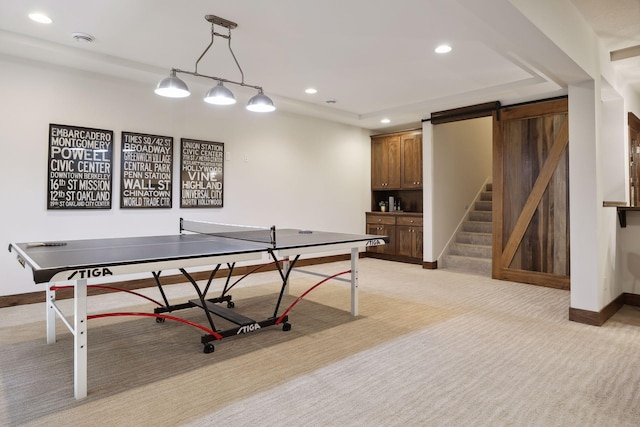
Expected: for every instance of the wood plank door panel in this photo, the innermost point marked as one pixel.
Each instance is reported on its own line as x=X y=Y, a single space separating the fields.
x=531 y=194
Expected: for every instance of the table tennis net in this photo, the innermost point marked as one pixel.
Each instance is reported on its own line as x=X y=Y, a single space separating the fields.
x=249 y=233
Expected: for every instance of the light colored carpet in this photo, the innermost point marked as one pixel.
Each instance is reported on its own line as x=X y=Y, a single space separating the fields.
x=429 y=348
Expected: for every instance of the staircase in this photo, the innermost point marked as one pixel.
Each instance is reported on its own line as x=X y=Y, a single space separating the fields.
x=470 y=251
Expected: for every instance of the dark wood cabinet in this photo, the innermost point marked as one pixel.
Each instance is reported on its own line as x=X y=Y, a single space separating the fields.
x=396 y=161
x=396 y=172
x=385 y=162
x=404 y=232
x=409 y=236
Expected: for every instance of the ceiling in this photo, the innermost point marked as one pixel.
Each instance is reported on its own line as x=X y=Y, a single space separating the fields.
x=369 y=59
x=617 y=24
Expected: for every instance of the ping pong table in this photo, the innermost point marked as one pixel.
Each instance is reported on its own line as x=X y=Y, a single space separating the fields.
x=198 y=244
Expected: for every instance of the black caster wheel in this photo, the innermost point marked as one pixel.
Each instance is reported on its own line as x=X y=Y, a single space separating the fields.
x=231 y=304
x=286 y=326
x=159 y=320
x=208 y=348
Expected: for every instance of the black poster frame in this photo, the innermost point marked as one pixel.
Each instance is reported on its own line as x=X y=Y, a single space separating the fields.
x=146 y=171
x=79 y=168
x=201 y=174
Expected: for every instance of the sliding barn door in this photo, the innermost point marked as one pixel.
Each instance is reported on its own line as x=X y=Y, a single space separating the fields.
x=531 y=194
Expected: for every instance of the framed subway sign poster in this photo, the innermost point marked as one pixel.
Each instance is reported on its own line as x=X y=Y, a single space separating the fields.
x=201 y=174
x=146 y=175
x=80 y=168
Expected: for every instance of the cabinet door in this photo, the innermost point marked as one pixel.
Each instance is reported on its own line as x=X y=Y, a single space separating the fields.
x=379 y=163
x=385 y=163
x=405 y=244
x=393 y=152
x=411 y=149
x=383 y=230
x=417 y=234
x=409 y=241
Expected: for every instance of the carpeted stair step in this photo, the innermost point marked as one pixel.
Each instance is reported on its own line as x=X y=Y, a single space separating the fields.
x=474 y=238
x=483 y=205
x=484 y=216
x=472 y=265
x=486 y=196
x=477 y=226
x=470 y=250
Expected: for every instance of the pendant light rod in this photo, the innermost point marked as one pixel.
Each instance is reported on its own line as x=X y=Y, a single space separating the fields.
x=215 y=20
x=234 y=57
x=205 y=51
x=220 y=79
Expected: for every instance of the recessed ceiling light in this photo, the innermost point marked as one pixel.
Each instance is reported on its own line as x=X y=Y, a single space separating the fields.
x=443 y=48
x=311 y=90
x=385 y=121
x=40 y=18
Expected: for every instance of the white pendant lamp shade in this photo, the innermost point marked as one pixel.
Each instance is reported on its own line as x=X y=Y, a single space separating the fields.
x=220 y=95
x=172 y=87
x=261 y=103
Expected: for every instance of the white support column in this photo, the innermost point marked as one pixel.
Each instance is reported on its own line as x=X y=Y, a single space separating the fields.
x=428 y=253
x=80 y=339
x=51 y=314
x=354 y=281
x=585 y=202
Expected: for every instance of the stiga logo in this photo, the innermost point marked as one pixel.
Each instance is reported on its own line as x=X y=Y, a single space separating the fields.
x=248 y=328
x=90 y=272
x=374 y=242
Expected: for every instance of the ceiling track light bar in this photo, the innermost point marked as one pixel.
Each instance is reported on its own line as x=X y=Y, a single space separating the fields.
x=219 y=79
x=218 y=95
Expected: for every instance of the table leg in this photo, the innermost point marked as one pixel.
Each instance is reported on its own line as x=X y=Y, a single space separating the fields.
x=286 y=265
x=354 y=281
x=80 y=339
x=51 y=314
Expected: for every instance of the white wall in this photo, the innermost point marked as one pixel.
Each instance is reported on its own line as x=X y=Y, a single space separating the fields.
x=300 y=172
x=462 y=162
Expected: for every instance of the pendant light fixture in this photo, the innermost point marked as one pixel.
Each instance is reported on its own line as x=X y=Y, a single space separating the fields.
x=174 y=87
